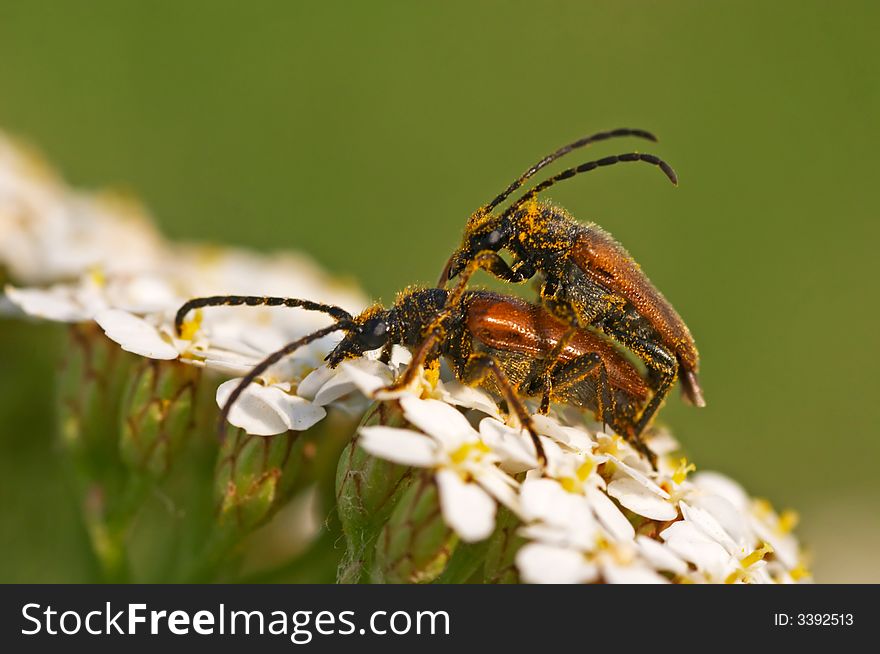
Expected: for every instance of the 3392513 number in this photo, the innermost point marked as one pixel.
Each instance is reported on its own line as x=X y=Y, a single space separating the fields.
x=825 y=619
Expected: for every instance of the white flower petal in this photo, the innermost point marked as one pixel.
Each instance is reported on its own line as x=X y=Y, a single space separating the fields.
x=640 y=477
x=439 y=420
x=500 y=486
x=785 y=546
x=226 y=363
x=135 y=334
x=362 y=374
x=458 y=394
x=576 y=438
x=639 y=499
x=660 y=556
x=707 y=523
x=715 y=482
x=728 y=516
x=609 y=515
x=662 y=443
x=403 y=446
x=513 y=446
x=312 y=383
x=400 y=356
x=631 y=574
x=467 y=508
x=52 y=304
x=691 y=544
x=546 y=564
x=142 y=294
x=268 y=410
x=546 y=500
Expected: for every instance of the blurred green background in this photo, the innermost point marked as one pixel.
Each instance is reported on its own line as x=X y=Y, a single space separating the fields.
x=365 y=133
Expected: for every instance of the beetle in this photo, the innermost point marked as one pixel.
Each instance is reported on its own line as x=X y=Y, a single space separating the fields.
x=587 y=277
x=497 y=342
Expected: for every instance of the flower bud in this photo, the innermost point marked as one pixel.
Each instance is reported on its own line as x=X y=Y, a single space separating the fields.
x=500 y=566
x=415 y=544
x=89 y=394
x=158 y=413
x=367 y=490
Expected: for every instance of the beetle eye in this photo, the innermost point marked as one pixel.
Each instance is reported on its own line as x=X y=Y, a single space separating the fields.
x=374 y=333
x=490 y=241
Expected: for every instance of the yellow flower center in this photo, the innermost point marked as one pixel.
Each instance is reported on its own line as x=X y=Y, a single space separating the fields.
x=681 y=472
x=799 y=572
x=432 y=374
x=473 y=451
x=189 y=327
x=611 y=446
x=748 y=561
x=788 y=521
x=762 y=508
x=97 y=276
x=576 y=484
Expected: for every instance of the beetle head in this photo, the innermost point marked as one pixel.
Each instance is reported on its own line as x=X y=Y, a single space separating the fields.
x=371 y=333
x=484 y=232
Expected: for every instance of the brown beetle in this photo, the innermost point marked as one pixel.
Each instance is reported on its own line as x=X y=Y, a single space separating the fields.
x=497 y=342
x=589 y=279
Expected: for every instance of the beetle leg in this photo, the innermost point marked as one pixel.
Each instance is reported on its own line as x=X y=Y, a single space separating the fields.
x=575 y=371
x=387 y=349
x=664 y=363
x=562 y=308
x=481 y=365
x=493 y=264
x=545 y=372
x=421 y=356
x=486 y=260
x=435 y=331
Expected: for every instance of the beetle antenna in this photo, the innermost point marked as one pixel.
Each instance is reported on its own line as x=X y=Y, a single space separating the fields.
x=587 y=167
x=561 y=152
x=255 y=301
x=269 y=361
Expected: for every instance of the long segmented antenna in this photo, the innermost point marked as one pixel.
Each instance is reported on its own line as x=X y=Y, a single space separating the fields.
x=587 y=167
x=254 y=301
x=561 y=152
x=269 y=361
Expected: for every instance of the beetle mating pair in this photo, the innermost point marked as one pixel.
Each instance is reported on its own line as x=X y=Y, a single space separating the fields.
x=562 y=350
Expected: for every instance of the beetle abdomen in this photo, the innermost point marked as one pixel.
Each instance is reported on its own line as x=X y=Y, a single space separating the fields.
x=605 y=262
x=512 y=325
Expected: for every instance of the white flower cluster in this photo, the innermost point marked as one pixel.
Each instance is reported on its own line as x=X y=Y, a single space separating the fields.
x=596 y=512
x=80 y=257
